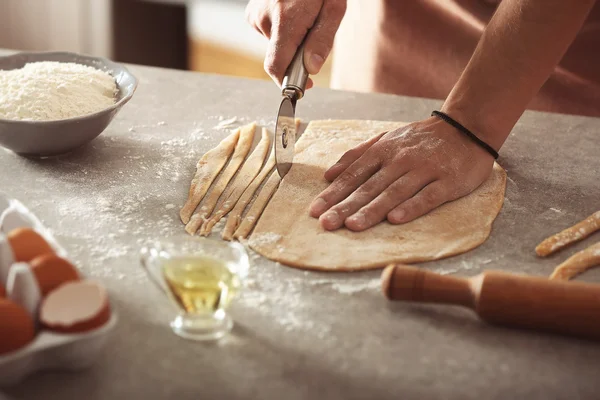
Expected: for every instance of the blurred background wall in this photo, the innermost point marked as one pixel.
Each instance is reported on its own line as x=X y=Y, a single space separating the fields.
x=200 y=35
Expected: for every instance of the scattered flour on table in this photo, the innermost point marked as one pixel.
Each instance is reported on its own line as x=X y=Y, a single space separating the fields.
x=122 y=215
x=283 y=302
x=135 y=128
x=226 y=123
x=47 y=91
x=351 y=288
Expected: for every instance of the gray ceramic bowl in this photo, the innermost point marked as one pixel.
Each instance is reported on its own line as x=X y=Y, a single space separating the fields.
x=51 y=138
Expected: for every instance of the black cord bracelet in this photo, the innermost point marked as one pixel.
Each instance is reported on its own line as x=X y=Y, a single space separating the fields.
x=446 y=118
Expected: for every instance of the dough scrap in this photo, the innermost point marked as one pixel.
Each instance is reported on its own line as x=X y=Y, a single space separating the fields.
x=239 y=155
x=235 y=216
x=257 y=208
x=207 y=169
x=578 y=263
x=247 y=173
x=287 y=234
x=571 y=235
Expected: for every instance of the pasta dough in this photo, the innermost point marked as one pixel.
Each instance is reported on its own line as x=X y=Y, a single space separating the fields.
x=571 y=235
x=578 y=263
x=286 y=233
x=258 y=206
x=235 y=216
x=239 y=155
x=247 y=173
x=207 y=169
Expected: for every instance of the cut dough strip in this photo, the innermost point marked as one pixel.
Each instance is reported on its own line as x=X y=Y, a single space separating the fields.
x=239 y=155
x=235 y=216
x=578 y=263
x=569 y=236
x=207 y=169
x=251 y=218
x=247 y=173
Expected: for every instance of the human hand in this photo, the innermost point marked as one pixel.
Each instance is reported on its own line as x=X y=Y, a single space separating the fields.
x=286 y=23
x=401 y=175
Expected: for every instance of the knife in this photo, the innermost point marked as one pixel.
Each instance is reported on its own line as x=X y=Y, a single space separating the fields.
x=292 y=90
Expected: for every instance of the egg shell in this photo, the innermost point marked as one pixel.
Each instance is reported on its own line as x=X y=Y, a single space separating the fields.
x=6 y=259
x=12 y=219
x=16 y=327
x=23 y=289
x=75 y=307
x=27 y=244
x=51 y=271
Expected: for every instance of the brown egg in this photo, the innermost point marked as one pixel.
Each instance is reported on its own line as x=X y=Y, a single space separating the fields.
x=27 y=244
x=16 y=327
x=51 y=271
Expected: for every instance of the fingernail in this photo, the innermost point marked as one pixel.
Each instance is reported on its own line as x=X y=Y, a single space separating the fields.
x=318 y=206
x=315 y=63
x=358 y=219
x=331 y=217
x=397 y=215
x=334 y=166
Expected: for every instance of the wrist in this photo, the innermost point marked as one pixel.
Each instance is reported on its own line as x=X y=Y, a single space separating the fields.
x=465 y=131
x=491 y=128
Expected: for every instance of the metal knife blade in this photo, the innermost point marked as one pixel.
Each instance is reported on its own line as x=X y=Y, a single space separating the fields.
x=293 y=87
x=285 y=136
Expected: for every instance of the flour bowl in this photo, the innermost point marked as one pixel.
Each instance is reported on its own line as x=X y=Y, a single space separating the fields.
x=52 y=138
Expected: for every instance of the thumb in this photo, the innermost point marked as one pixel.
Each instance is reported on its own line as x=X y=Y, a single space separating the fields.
x=319 y=41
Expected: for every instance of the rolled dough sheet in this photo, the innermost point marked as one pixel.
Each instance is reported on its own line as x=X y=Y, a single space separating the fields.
x=287 y=234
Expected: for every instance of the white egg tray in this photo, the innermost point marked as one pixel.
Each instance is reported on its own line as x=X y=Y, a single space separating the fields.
x=49 y=350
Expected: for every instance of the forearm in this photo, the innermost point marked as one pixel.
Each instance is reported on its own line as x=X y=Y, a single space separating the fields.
x=518 y=51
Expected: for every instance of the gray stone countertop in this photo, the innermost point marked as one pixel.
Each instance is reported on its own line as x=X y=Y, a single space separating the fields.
x=301 y=335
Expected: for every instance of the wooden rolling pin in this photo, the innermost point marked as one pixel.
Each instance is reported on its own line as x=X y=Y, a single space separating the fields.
x=520 y=301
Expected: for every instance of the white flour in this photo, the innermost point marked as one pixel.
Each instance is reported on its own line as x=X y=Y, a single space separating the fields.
x=47 y=91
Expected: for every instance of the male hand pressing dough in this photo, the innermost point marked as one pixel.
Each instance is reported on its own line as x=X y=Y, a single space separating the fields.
x=404 y=174
x=401 y=175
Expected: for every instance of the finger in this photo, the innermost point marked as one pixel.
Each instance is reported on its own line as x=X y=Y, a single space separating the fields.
x=346 y=183
x=289 y=27
x=430 y=197
x=309 y=84
x=319 y=41
x=350 y=157
x=335 y=217
x=259 y=20
x=397 y=193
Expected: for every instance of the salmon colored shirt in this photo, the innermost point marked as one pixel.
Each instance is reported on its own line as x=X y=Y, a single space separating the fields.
x=420 y=47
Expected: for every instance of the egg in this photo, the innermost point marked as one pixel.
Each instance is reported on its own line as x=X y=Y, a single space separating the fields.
x=51 y=271
x=27 y=244
x=16 y=327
